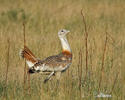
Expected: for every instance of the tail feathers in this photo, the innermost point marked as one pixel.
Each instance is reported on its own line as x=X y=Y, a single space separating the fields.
x=29 y=56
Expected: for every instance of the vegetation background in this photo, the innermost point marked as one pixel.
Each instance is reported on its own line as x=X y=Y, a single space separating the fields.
x=43 y=19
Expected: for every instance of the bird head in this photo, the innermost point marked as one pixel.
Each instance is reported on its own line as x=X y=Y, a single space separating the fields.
x=62 y=33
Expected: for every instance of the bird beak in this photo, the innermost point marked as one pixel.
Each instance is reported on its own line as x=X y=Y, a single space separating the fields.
x=68 y=31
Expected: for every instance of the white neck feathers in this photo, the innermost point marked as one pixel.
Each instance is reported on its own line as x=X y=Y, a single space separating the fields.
x=65 y=44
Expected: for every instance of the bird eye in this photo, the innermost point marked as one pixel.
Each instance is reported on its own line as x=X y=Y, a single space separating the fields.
x=61 y=30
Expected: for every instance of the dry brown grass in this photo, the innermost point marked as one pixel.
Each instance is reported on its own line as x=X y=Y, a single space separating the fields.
x=43 y=20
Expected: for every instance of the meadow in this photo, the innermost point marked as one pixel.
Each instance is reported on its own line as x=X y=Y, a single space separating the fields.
x=96 y=68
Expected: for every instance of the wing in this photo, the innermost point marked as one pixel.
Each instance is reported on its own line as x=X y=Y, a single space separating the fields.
x=55 y=60
x=58 y=62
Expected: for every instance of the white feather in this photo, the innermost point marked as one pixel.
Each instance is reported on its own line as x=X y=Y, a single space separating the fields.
x=65 y=44
x=30 y=64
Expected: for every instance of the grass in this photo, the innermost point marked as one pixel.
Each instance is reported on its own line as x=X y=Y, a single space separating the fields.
x=43 y=19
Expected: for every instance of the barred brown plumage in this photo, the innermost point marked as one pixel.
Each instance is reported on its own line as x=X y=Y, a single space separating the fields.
x=52 y=64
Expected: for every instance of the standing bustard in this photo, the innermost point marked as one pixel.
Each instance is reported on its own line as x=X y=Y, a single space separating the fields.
x=52 y=65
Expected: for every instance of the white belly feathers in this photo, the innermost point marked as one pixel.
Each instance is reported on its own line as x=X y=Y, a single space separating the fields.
x=45 y=68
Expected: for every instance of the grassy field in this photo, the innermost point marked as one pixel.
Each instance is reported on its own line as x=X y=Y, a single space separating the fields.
x=43 y=19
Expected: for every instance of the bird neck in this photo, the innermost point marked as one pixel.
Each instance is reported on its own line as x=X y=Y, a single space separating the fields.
x=65 y=44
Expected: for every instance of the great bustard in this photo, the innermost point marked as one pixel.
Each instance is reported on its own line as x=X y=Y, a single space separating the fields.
x=52 y=65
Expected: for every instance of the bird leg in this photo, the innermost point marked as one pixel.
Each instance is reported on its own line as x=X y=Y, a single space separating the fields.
x=51 y=74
